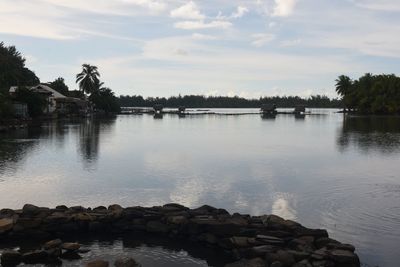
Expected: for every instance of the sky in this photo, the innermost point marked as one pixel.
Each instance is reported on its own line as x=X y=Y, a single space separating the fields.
x=249 y=48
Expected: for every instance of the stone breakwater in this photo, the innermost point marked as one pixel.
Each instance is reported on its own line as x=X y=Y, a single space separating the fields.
x=266 y=240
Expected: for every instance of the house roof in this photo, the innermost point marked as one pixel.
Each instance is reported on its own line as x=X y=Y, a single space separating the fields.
x=41 y=88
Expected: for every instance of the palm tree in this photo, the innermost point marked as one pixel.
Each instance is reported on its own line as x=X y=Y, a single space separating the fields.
x=343 y=84
x=88 y=79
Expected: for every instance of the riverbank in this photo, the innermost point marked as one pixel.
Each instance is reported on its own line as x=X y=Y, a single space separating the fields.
x=266 y=240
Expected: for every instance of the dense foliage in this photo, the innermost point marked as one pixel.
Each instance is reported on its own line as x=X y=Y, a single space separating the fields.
x=60 y=86
x=6 y=108
x=105 y=100
x=370 y=94
x=199 y=101
x=12 y=69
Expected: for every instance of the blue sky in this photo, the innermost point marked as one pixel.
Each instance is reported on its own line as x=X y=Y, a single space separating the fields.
x=215 y=47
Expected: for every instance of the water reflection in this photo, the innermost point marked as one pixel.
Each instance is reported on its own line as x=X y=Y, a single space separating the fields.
x=371 y=133
x=267 y=116
x=16 y=146
x=158 y=116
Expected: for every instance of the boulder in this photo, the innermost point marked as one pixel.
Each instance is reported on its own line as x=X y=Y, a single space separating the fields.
x=270 y=240
x=126 y=262
x=303 y=263
x=115 y=208
x=71 y=255
x=11 y=258
x=177 y=220
x=35 y=257
x=62 y=208
x=56 y=243
x=24 y=223
x=97 y=263
x=276 y=264
x=156 y=227
x=30 y=210
x=323 y=264
x=256 y=262
x=71 y=246
x=282 y=256
x=344 y=256
x=6 y=224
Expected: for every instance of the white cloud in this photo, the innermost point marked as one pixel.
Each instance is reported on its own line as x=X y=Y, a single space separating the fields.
x=197 y=25
x=260 y=39
x=199 y=36
x=189 y=10
x=119 y=7
x=283 y=8
x=241 y=10
x=381 y=5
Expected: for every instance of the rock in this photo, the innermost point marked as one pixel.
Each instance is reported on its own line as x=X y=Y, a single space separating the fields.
x=207 y=237
x=24 y=223
x=299 y=255
x=77 y=209
x=30 y=210
x=97 y=263
x=71 y=255
x=6 y=213
x=177 y=220
x=272 y=221
x=276 y=264
x=95 y=226
x=270 y=240
x=82 y=217
x=282 y=256
x=344 y=256
x=54 y=252
x=323 y=264
x=115 y=208
x=261 y=250
x=35 y=257
x=256 y=262
x=83 y=250
x=323 y=242
x=62 y=207
x=316 y=233
x=100 y=209
x=239 y=241
x=156 y=227
x=71 y=246
x=303 y=263
x=11 y=258
x=320 y=254
x=341 y=246
x=175 y=206
x=6 y=225
x=56 y=243
x=126 y=262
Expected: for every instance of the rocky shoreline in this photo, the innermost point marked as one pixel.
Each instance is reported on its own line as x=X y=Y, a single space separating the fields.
x=266 y=240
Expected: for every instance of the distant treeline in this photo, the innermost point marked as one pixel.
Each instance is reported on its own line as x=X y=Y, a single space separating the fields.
x=199 y=101
x=370 y=94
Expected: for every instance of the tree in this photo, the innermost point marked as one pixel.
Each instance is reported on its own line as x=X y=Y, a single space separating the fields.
x=371 y=94
x=88 y=79
x=59 y=85
x=105 y=100
x=12 y=69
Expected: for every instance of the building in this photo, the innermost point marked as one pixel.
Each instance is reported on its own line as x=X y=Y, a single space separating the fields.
x=57 y=103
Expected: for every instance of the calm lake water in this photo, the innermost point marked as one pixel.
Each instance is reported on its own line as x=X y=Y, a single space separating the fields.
x=325 y=171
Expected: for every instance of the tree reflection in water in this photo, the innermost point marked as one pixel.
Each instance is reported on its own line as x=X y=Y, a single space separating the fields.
x=16 y=146
x=370 y=133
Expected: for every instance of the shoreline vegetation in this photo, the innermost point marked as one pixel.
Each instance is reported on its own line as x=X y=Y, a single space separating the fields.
x=266 y=240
